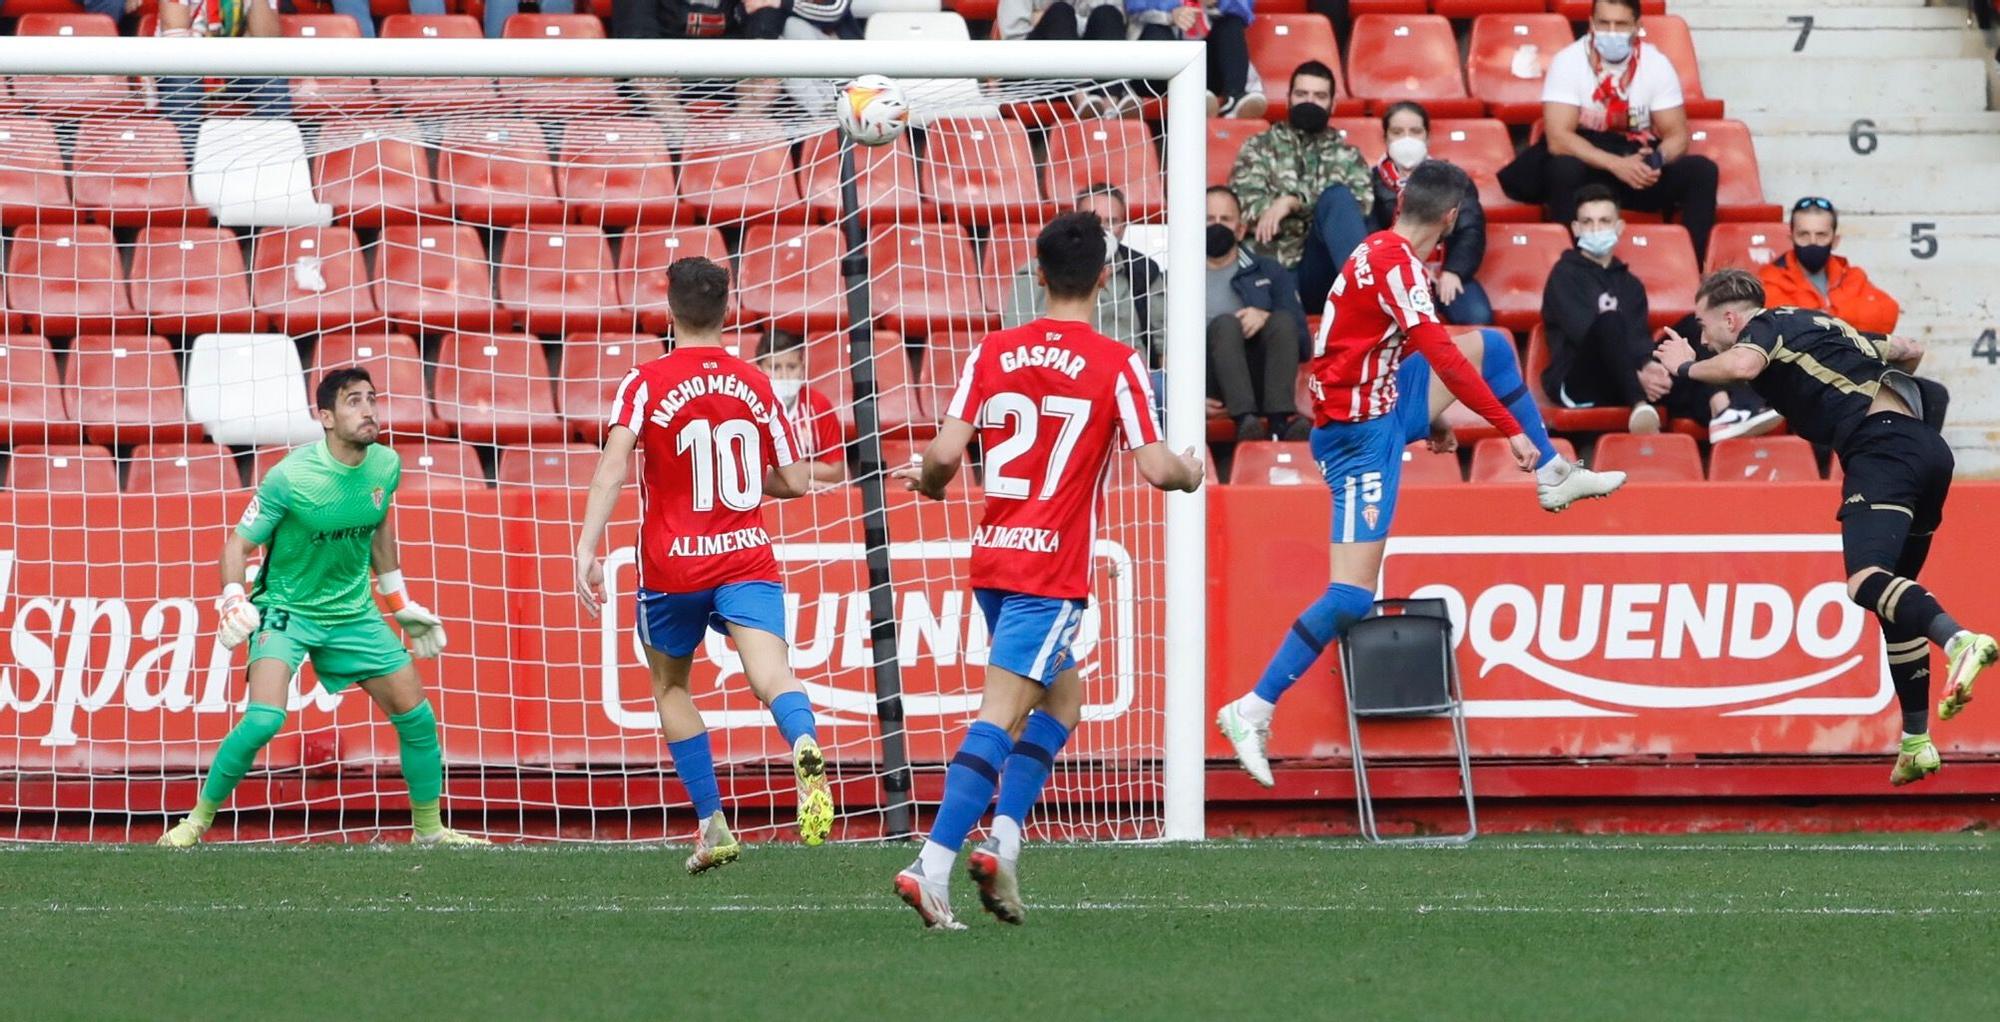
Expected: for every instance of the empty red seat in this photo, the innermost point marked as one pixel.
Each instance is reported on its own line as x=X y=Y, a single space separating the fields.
x=1481 y=146
x=131 y=171
x=50 y=23
x=1116 y=152
x=791 y=277
x=1493 y=461
x=1669 y=32
x=1763 y=459
x=375 y=173
x=434 y=276
x=434 y=466
x=393 y=362
x=885 y=180
x=923 y=279
x=305 y=280
x=1460 y=9
x=495 y=388
x=555 y=278
x=327 y=97
x=318 y=26
x=1226 y=136
x=1518 y=260
x=1662 y=257
x=1508 y=58
x=497 y=173
x=1747 y=246
x=616 y=172
x=66 y=279
x=191 y=280
x=32 y=407
x=127 y=390
x=34 y=182
x=548 y=98
x=902 y=406
x=549 y=466
x=182 y=468
x=1363 y=133
x=643 y=258
x=1739 y=188
x=1659 y=458
x=1006 y=249
x=592 y=367
x=67 y=97
x=1274 y=463
x=1279 y=43
x=1360 y=7
x=1558 y=417
x=1421 y=467
x=1394 y=57
x=433 y=96
x=981 y=171
x=64 y=468
x=431 y=26
x=739 y=170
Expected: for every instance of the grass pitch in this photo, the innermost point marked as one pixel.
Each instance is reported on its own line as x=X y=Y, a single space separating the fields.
x=1511 y=928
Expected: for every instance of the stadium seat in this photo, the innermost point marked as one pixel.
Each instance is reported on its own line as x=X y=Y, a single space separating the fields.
x=1363 y=133
x=1493 y=462
x=616 y=172
x=1559 y=418
x=318 y=26
x=1659 y=458
x=556 y=278
x=1518 y=260
x=32 y=405
x=375 y=173
x=34 y=183
x=902 y=405
x=1360 y=7
x=64 y=468
x=1118 y=152
x=1669 y=32
x=65 y=280
x=252 y=172
x=131 y=172
x=497 y=173
x=1508 y=57
x=1394 y=57
x=981 y=171
x=945 y=356
x=592 y=367
x=430 y=97
x=885 y=180
x=1747 y=246
x=249 y=389
x=191 y=280
x=549 y=466
x=1274 y=463
x=393 y=362
x=435 y=277
x=173 y=469
x=555 y=98
x=306 y=280
x=434 y=466
x=1423 y=468
x=49 y=23
x=1481 y=147
x=1279 y=43
x=1662 y=257
x=643 y=258
x=923 y=279
x=127 y=390
x=1226 y=136
x=495 y=388
x=1763 y=459
x=1579 y=10
x=739 y=171
x=1739 y=192
x=791 y=276
x=1459 y=10
x=1006 y=249
x=69 y=97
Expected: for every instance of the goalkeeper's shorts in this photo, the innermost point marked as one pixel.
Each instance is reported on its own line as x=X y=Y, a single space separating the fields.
x=342 y=652
x=673 y=622
x=1032 y=635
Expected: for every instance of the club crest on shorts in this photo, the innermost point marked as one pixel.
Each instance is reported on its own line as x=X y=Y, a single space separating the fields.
x=376 y=497
x=1371 y=514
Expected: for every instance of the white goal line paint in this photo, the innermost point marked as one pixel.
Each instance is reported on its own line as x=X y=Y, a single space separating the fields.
x=389 y=906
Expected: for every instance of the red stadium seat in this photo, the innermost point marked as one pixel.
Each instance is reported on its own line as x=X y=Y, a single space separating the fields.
x=306 y=280
x=592 y=367
x=131 y=172
x=435 y=466
x=1669 y=33
x=1748 y=246
x=375 y=173
x=65 y=280
x=1480 y=147
x=1363 y=133
x=402 y=404
x=1579 y=10
x=1274 y=463
x=431 y=26
x=327 y=97
x=1659 y=458
x=1226 y=136
x=981 y=171
x=1566 y=420
x=435 y=277
x=551 y=98
x=32 y=405
x=549 y=466
x=1739 y=192
x=616 y=172
x=902 y=405
x=1117 y=152
x=191 y=280
x=791 y=277
x=1458 y=10
x=1493 y=462
x=420 y=97
x=1662 y=257
x=923 y=279
x=1763 y=459
x=1423 y=468
x=46 y=23
x=1006 y=250
x=182 y=468
x=318 y=26
x=127 y=390
x=1279 y=43
x=495 y=388
x=1518 y=260
x=1395 y=57
x=62 y=469
x=555 y=278
x=1360 y=7
x=739 y=171
x=34 y=184
x=885 y=180
x=945 y=356
x=643 y=258
x=497 y=173
x=1509 y=57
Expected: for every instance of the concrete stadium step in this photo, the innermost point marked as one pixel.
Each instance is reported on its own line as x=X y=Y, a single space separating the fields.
x=1910 y=85
x=1951 y=281
x=1861 y=34
x=1972 y=426
x=1897 y=138
x=1689 y=8
x=1926 y=188
x=1772 y=17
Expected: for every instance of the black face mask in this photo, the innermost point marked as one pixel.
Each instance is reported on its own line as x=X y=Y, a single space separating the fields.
x=1812 y=258
x=1221 y=238
x=1307 y=117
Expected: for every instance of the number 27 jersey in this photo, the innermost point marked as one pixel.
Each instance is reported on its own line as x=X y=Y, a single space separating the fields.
x=1049 y=399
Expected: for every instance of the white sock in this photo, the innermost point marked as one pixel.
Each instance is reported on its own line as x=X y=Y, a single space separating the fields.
x=1255 y=710
x=1554 y=472
x=937 y=861
x=1958 y=641
x=1007 y=831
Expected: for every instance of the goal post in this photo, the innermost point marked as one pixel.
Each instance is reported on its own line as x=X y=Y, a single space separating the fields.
x=77 y=695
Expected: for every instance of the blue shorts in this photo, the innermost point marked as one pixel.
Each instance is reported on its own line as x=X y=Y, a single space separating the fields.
x=1362 y=462
x=672 y=622
x=1031 y=635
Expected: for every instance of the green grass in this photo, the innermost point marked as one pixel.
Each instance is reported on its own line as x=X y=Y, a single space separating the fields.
x=1512 y=928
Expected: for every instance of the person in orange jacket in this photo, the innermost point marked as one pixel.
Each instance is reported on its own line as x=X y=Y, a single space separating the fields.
x=1810 y=276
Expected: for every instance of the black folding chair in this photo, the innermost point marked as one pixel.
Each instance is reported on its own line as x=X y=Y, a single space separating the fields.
x=1397 y=663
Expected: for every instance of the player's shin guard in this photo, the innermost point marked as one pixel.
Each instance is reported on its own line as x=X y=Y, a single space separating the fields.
x=694 y=761
x=1502 y=372
x=261 y=723
x=1910 y=669
x=968 y=788
x=1341 y=605
x=1905 y=605
x=423 y=764
x=1022 y=778
x=793 y=713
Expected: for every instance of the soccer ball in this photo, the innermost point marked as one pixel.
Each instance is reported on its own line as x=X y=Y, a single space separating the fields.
x=872 y=110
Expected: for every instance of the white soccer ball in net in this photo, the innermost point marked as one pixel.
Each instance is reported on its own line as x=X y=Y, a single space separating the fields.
x=872 y=110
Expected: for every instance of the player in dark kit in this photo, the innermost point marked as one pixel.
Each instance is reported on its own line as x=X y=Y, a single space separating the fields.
x=1857 y=393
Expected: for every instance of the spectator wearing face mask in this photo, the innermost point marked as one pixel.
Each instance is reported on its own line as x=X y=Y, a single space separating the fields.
x=1810 y=276
x=1131 y=307
x=1306 y=192
x=1456 y=259
x=1256 y=330
x=822 y=443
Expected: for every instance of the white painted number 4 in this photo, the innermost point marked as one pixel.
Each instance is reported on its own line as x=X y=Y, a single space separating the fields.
x=1019 y=412
x=728 y=455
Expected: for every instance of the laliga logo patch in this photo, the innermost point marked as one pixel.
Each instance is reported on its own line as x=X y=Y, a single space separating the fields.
x=377 y=498
x=250 y=513
x=1420 y=298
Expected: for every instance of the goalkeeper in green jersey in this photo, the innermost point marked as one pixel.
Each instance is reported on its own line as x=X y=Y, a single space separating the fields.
x=322 y=515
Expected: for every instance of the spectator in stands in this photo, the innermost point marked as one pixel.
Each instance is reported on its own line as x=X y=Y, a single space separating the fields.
x=1456 y=259
x=181 y=99
x=1305 y=189
x=1600 y=344
x=1256 y=330
x=1810 y=276
x=1233 y=89
x=698 y=19
x=1060 y=19
x=497 y=11
x=1131 y=308
x=1612 y=114
x=782 y=355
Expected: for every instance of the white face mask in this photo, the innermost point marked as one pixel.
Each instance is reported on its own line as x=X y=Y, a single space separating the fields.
x=1110 y=246
x=1408 y=151
x=1598 y=244
x=787 y=390
x=1614 y=47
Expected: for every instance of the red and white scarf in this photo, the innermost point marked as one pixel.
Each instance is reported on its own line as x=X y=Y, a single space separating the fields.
x=1614 y=92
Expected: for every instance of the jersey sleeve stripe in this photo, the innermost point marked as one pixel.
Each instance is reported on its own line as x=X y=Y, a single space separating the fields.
x=1406 y=313
x=1136 y=415
x=782 y=452
x=963 y=394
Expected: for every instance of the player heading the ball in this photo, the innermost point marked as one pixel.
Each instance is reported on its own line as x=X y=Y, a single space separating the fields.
x=714 y=443
x=322 y=515
x=1048 y=400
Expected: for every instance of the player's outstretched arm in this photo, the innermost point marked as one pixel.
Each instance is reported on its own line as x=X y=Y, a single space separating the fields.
x=1903 y=353
x=1460 y=376
x=1740 y=363
x=605 y=483
x=941 y=460
x=1169 y=471
x=425 y=629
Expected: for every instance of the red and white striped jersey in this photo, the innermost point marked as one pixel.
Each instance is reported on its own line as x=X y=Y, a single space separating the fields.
x=817 y=428
x=1050 y=399
x=1381 y=295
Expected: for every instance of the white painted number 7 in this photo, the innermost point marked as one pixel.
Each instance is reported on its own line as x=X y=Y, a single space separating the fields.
x=1017 y=411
